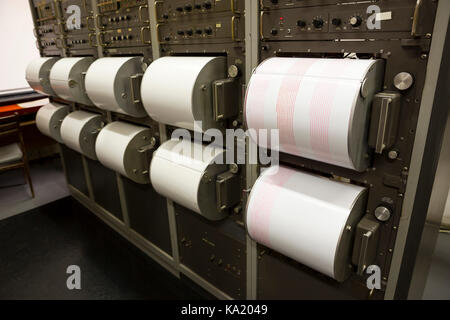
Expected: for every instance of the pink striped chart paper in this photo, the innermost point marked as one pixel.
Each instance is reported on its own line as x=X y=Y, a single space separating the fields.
x=315 y=104
x=301 y=215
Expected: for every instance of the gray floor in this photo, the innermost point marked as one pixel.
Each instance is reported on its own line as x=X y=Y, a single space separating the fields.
x=48 y=181
x=438 y=282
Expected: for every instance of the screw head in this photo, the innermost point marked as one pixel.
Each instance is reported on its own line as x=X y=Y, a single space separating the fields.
x=382 y=213
x=234 y=168
x=403 y=81
x=393 y=154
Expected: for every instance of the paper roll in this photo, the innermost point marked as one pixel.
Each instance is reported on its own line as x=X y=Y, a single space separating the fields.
x=49 y=119
x=305 y=217
x=113 y=84
x=37 y=74
x=121 y=147
x=320 y=106
x=79 y=131
x=178 y=90
x=185 y=172
x=67 y=79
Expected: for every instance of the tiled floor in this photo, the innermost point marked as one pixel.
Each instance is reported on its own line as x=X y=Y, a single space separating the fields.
x=50 y=185
x=48 y=181
x=438 y=282
x=38 y=246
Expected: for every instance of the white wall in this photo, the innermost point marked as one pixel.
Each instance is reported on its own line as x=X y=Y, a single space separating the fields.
x=18 y=44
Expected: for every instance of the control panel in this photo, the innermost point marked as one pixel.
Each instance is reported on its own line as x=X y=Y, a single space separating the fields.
x=123 y=24
x=205 y=29
x=168 y=10
x=286 y=4
x=216 y=251
x=77 y=27
x=334 y=22
x=47 y=13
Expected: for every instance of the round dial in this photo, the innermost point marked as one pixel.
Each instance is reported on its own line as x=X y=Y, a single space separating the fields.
x=356 y=21
x=318 y=23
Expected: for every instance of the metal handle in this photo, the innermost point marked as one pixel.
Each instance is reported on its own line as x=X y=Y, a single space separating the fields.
x=63 y=46
x=362 y=253
x=233 y=27
x=58 y=13
x=156 y=10
x=101 y=44
x=61 y=28
x=217 y=115
x=261 y=24
x=379 y=146
x=97 y=21
x=140 y=14
x=157 y=33
x=143 y=37
x=90 y=35
x=233 y=8
x=135 y=82
x=146 y=153
x=415 y=23
x=261 y=4
x=87 y=23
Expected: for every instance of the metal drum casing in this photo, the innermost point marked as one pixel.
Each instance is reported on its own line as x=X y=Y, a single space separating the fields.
x=113 y=84
x=79 y=132
x=49 y=119
x=178 y=90
x=188 y=176
x=122 y=146
x=321 y=107
x=309 y=218
x=67 y=78
x=38 y=75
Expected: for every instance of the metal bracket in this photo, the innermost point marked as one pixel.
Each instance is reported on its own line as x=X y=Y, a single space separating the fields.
x=225 y=98
x=383 y=127
x=143 y=37
x=135 y=85
x=227 y=190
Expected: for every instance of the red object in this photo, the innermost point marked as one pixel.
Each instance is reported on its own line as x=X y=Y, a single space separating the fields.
x=11 y=109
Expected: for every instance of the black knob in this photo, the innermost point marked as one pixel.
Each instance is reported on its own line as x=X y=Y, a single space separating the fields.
x=301 y=23
x=165 y=16
x=188 y=7
x=318 y=23
x=208 y=30
x=274 y=32
x=336 y=22
x=356 y=21
x=179 y=9
x=189 y=32
x=198 y=31
x=274 y=1
x=207 y=5
x=167 y=39
x=180 y=32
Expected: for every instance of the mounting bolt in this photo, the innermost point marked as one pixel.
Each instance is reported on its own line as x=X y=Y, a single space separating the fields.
x=393 y=154
x=234 y=168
